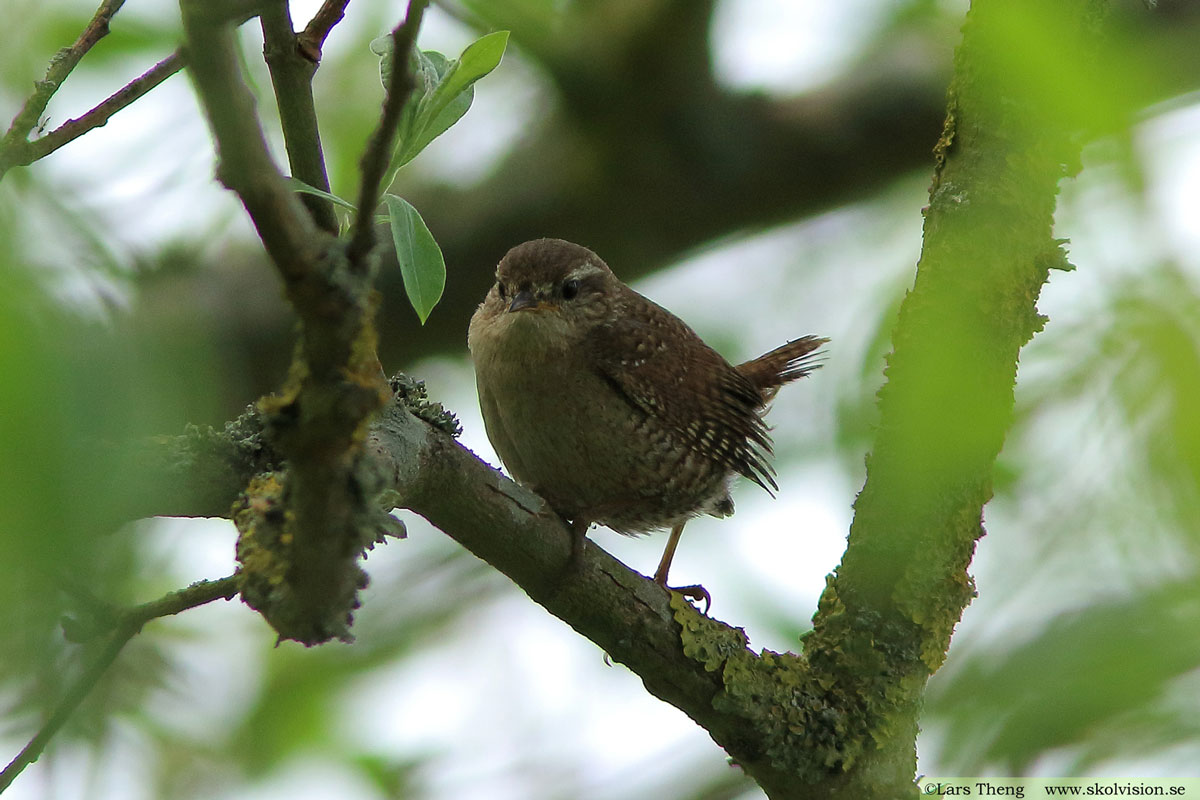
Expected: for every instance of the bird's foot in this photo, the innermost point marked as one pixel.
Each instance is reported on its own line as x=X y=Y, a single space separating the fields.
x=693 y=592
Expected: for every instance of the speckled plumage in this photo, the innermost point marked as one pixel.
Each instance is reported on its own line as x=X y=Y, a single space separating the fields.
x=607 y=404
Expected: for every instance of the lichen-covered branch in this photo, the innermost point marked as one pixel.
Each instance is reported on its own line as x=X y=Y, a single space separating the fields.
x=305 y=527
x=200 y=472
x=633 y=619
x=750 y=703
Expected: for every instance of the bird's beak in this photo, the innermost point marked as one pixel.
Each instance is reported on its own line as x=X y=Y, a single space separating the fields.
x=525 y=301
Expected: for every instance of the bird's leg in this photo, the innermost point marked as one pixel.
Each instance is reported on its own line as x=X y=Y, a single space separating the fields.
x=695 y=591
x=664 y=565
x=579 y=529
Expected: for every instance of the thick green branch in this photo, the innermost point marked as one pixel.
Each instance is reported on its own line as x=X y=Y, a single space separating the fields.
x=903 y=582
x=244 y=162
x=291 y=75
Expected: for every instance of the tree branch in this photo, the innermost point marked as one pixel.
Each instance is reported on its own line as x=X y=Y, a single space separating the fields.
x=292 y=72
x=99 y=116
x=312 y=39
x=200 y=472
x=903 y=583
x=128 y=625
x=759 y=707
x=244 y=162
x=64 y=61
x=302 y=528
x=378 y=154
x=633 y=619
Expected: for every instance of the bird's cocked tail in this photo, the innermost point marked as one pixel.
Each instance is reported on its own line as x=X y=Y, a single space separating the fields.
x=783 y=365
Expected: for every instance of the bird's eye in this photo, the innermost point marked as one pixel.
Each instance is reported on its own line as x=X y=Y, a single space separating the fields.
x=500 y=289
x=570 y=289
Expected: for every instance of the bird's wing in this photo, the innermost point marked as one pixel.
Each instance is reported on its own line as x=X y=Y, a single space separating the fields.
x=691 y=390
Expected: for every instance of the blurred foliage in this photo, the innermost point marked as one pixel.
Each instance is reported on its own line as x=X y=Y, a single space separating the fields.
x=1088 y=680
x=74 y=391
x=1100 y=678
x=1097 y=490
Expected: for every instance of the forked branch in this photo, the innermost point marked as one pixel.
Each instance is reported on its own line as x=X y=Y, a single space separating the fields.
x=128 y=624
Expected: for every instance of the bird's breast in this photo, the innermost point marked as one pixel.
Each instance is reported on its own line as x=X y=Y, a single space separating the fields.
x=569 y=434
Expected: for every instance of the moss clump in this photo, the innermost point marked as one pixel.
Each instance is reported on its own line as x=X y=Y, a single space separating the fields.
x=265 y=552
x=263 y=540
x=706 y=640
x=802 y=726
x=410 y=393
x=814 y=714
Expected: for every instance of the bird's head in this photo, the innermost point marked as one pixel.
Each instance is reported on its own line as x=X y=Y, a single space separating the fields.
x=553 y=284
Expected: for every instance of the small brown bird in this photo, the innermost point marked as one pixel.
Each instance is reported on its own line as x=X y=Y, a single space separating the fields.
x=611 y=407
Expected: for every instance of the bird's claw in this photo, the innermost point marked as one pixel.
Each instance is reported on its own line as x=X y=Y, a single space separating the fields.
x=693 y=592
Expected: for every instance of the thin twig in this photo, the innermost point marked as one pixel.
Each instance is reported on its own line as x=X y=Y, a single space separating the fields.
x=312 y=38
x=291 y=76
x=378 y=154
x=60 y=67
x=99 y=116
x=128 y=625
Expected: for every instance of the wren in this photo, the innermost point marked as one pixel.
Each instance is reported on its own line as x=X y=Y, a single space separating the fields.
x=611 y=407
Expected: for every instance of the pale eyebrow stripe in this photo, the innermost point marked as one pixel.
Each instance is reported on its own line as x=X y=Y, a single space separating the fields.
x=584 y=270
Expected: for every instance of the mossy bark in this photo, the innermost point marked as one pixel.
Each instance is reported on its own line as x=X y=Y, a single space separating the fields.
x=885 y=621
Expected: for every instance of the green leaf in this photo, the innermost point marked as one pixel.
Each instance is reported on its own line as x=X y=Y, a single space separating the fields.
x=443 y=89
x=430 y=69
x=426 y=129
x=454 y=93
x=481 y=57
x=303 y=188
x=421 y=264
x=382 y=47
